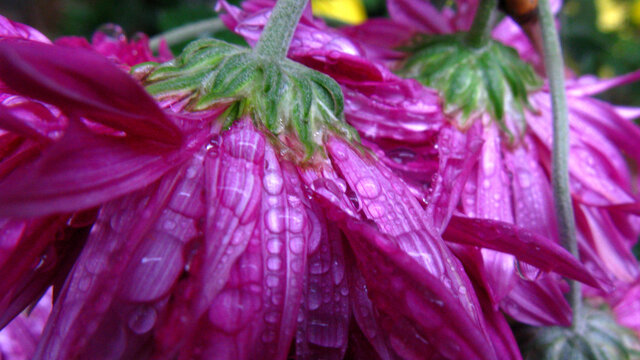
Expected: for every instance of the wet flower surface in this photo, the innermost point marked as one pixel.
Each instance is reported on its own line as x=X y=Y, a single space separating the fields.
x=235 y=215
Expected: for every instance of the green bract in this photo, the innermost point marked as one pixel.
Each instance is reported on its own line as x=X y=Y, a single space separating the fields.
x=283 y=97
x=600 y=339
x=474 y=80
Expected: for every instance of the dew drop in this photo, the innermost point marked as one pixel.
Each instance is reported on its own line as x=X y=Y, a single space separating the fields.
x=274 y=245
x=524 y=179
x=296 y=244
x=272 y=183
x=118 y=220
x=368 y=188
x=401 y=155
x=272 y=317
x=296 y=265
x=314 y=299
x=169 y=225
x=142 y=319
x=319 y=267
x=274 y=263
x=272 y=281
x=376 y=210
x=273 y=220
x=296 y=220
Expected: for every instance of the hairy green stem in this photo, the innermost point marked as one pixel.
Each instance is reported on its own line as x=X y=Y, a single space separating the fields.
x=277 y=34
x=480 y=31
x=186 y=32
x=560 y=158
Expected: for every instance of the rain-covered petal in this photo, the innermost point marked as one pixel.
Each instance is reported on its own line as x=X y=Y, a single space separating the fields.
x=323 y=322
x=105 y=305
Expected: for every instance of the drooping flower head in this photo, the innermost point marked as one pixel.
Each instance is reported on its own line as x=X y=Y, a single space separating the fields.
x=197 y=229
x=506 y=179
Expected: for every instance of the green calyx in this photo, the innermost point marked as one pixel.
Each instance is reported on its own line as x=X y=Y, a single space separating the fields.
x=491 y=79
x=601 y=338
x=292 y=102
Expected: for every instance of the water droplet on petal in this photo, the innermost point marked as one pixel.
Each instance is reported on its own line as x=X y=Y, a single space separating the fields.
x=274 y=245
x=273 y=220
x=296 y=220
x=272 y=183
x=319 y=267
x=314 y=299
x=142 y=319
x=274 y=263
x=368 y=188
x=296 y=244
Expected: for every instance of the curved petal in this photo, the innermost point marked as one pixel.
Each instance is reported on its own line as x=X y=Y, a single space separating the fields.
x=12 y=29
x=83 y=170
x=82 y=83
x=523 y=244
x=104 y=293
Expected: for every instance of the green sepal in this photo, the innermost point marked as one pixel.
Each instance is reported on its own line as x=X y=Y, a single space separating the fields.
x=601 y=338
x=283 y=97
x=474 y=81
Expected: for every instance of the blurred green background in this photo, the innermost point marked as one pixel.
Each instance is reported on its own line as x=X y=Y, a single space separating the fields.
x=600 y=36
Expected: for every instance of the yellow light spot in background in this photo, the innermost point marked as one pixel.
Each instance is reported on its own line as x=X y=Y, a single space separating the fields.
x=611 y=15
x=635 y=13
x=346 y=11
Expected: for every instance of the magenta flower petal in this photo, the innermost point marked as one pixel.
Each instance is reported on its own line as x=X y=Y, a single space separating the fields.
x=365 y=315
x=242 y=293
x=627 y=309
x=427 y=306
x=82 y=83
x=527 y=246
x=97 y=301
x=18 y=340
x=533 y=200
x=421 y=15
x=80 y=171
x=458 y=152
x=9 y=121
x=323 y=327
x=12 y=29
x=538 y=303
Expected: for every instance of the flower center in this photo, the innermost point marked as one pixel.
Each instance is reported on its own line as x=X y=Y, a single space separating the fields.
x=491 y=79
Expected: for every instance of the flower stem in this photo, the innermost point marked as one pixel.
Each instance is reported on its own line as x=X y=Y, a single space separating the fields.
x=480 y=31
x=560 y=158
x=186 y=32
x=277 y=34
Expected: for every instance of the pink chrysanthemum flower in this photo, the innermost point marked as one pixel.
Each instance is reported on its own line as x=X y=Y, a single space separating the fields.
x=501 y=175
x=190 y=227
